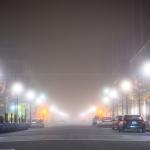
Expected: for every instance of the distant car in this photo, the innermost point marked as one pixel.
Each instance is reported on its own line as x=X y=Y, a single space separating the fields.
x=116 y=121
x=106 y=122
x=132 y=122
x=37 y=123
x=95 y=120
x=99 y=123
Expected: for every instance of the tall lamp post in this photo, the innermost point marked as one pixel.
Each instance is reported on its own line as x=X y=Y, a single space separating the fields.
x=146 y=74
x=113 y=96
x=126 y=87
x=30 y=95
x=17 y=89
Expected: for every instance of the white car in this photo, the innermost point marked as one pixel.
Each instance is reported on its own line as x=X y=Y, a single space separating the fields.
x=37 y=123
x=105 y=122
x=99 y=123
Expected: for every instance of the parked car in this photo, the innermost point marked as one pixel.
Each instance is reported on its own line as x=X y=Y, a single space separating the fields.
x=99 y=123
x=37 y=123
x=106 y=122
x=132 y=122
x=95 y=120
x=116 y=121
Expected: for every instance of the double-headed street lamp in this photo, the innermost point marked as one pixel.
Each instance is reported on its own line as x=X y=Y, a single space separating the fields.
x=17 y=89
x=145 y=71
x=41 y=99
x=113 y=96
x=126 y=87
x=110 y=95
x=30 y=95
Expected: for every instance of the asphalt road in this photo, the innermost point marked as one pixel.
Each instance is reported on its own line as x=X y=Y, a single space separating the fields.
x=74 y=137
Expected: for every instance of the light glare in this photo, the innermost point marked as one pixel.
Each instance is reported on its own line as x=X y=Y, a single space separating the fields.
x=146 y=69
x=126 y=86
x=17 y=88
x=106 y=91
x=30 y=95
x=113 y=93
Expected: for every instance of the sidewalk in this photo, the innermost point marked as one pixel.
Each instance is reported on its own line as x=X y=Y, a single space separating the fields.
x=12 y=127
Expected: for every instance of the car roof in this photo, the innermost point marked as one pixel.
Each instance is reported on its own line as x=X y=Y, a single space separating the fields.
x=133 y=115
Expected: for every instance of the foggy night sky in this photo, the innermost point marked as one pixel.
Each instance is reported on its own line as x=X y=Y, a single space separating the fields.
x=73 y=48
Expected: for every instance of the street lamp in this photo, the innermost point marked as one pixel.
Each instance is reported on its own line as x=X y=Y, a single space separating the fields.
x=146 y=69
x=43 y=96
x=106 y=100
x=106 y=91
x=39 y=101
x=12 y=107
x=113 y=93
x=30 y=95
x=113 y=96
x=126 y=87
x=17 y=89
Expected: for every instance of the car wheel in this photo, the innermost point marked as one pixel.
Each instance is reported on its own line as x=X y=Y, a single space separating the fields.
x=143 y=130
x=139 y=130
x=123 y=129
x=119 y=129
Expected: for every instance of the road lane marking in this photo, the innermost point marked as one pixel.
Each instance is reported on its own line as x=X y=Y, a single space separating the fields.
x=67 y=138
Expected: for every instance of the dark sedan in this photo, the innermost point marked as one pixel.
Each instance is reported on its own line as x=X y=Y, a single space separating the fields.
x=132 y=122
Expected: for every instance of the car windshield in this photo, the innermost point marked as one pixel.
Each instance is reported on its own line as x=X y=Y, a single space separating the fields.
x=120 y=117
x=132 y=117
x=74 y=74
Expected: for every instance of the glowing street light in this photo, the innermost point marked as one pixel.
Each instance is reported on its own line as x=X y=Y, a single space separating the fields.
x=126 y=86
x=17 y=89
x=30 y=96
x=146 y=69
x=113 y=94
x=39 y=101
x=12 y=107
x=106 y=91
x=43 y=96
